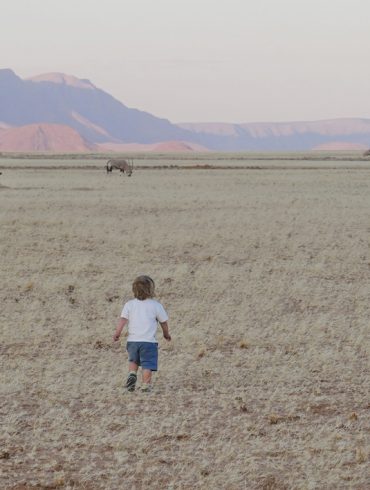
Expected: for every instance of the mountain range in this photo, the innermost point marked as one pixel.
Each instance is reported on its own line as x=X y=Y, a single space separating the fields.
x=62 y=113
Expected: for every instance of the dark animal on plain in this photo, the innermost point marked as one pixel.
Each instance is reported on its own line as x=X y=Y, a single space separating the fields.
x=367 y=153
x=120 y=164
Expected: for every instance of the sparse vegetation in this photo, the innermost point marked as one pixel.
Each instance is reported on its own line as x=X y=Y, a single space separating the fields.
x=265 y=276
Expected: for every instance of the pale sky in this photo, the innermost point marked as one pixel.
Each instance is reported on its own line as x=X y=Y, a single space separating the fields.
x=202 y=60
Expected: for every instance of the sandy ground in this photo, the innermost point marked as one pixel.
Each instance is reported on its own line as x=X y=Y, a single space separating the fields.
x=266 y=278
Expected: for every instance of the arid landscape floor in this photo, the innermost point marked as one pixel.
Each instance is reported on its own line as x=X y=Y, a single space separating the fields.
x=265 y=275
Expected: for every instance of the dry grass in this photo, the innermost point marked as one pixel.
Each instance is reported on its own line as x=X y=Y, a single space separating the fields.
x=266 y=279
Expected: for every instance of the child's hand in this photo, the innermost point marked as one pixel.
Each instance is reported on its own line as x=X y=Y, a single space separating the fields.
x=117 y=334
x=166 y=333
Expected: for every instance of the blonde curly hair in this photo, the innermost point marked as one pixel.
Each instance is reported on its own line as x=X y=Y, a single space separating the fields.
x=143 y=287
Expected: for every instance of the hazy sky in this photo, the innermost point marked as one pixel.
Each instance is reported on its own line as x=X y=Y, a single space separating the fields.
x=202 y=60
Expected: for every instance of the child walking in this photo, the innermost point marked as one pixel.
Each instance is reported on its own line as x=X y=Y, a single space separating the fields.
x=142 y=315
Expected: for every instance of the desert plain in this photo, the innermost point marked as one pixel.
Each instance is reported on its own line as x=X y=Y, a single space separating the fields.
x=264 y=268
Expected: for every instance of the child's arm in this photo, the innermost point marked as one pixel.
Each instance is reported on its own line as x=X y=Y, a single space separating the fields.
x=122 y=322
x=166 y=333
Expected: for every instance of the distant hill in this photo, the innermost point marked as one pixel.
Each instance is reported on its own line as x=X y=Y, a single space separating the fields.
x=105 y=124
x=178 y=146
x=44 y=138
x=345 y=133
x=340 y=146
x=163 y=147
x=94 y=114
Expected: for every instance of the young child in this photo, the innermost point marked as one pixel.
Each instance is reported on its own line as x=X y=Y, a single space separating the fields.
x=142 y=315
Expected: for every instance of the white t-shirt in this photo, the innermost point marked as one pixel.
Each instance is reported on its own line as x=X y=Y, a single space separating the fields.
x=143 y=317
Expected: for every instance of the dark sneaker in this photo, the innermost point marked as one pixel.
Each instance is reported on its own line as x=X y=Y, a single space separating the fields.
x=131 y=382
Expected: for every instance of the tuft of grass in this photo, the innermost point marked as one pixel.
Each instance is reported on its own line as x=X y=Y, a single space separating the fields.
x=273 y=418
x=243 y=344
x=277 y=419
x=201 y=353
x=59 y=481
x=361 y=455
x=29 y=287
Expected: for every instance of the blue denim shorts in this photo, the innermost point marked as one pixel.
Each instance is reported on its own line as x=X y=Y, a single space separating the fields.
x=144 y=354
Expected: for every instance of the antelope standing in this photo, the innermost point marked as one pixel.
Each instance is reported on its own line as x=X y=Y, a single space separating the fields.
x=121 y=164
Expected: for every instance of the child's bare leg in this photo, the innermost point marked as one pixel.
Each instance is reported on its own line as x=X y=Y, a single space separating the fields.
x=132 y=367
x=147 y=376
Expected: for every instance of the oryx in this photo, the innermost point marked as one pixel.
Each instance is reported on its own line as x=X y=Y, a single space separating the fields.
x=121 y=164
